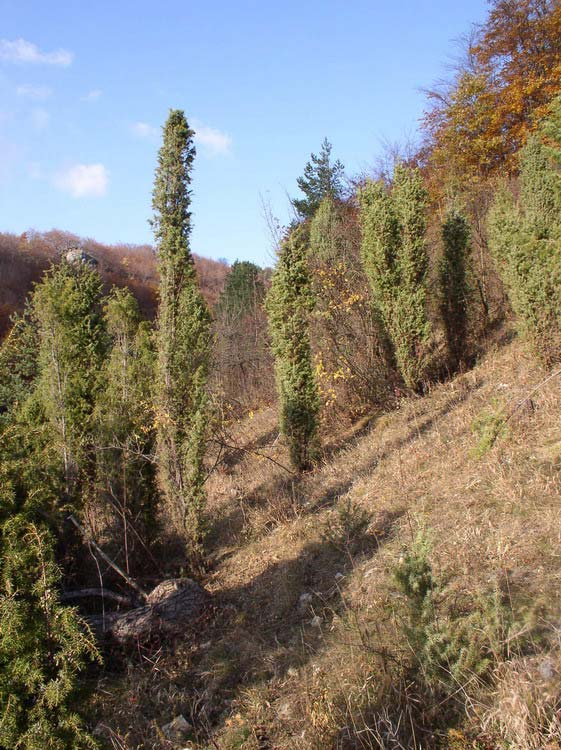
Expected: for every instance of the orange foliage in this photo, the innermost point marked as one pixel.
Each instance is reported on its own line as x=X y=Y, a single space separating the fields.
x=512 y=72
x=24 y=259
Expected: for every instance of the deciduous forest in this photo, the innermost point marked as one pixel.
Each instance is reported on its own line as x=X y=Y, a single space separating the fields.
x=310 y=506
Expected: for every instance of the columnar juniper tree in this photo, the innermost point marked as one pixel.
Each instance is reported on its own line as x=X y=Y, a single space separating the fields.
x=72 y=344
x=525 y=240
x=183 y=339
x=396 y=262
x=124 y=417
x=289 y=303
x=454 y=285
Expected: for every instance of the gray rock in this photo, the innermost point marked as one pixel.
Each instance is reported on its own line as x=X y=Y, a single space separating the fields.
x=547 y=669
x=77 y=255
x=178 y=729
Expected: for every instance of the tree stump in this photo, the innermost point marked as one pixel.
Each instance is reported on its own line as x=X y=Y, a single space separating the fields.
x=172 y=608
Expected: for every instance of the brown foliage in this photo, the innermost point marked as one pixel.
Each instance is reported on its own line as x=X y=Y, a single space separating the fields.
x=476 y=124
x=24 y=259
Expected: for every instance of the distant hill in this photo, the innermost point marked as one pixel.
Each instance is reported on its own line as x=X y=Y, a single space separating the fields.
x=24 y=258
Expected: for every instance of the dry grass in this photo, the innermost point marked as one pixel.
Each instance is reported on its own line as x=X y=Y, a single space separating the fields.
x=330 y=669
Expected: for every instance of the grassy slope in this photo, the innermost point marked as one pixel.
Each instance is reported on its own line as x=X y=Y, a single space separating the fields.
x=276 y=670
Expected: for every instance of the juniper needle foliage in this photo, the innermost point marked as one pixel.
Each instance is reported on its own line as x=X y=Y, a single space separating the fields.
x=72 y=346
x=396 y=261
x=454 y=285
x=525 y=240
x=43 y=646
x=289 y=304
x=183 y=338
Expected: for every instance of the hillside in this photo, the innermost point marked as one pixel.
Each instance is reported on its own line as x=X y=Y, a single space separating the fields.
x=309 y=507
x=24 y=258
x=310 y=647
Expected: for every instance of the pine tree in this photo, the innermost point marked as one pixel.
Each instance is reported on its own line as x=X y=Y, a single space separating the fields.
x=321 y=179
x=396 y=261
x=124 y=418
x=183 y=339
x=289 y=304
x=72 y=345
x=453 y=279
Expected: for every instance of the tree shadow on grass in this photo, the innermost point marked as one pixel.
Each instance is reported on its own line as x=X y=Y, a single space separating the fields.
x=287 y=493
x=277 y=621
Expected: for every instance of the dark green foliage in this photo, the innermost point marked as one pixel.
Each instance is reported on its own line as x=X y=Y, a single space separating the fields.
x=289 y=304
x=18 y=365
x=183 y=339
x=43 y=645
x=525 y=240
x=124 y=417
x=243 y=290
x=321 y=179
x=454 y=287
x=72 y=344
x=448 y=644
x=416 y=582
x=396 y=261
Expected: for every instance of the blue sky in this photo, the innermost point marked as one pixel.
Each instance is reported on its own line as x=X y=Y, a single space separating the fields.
x=85 y=88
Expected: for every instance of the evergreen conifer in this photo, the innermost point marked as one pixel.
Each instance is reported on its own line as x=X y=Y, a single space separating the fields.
x=453 y=279
x=289 y=304
x=396 y=261
x=183 y=339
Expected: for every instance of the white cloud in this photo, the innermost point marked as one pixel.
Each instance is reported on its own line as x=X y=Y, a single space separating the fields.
x=144 y=130
x=40 y=118
x=34 y=92
x=214 y=141
x=92 y=95
x=22 y=51
x=83 y=180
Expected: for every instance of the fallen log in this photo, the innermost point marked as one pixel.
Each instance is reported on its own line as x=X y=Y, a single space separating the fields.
x=172 y=608
x=125 y=601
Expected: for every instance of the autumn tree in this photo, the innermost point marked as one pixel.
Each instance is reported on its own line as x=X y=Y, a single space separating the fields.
x=183 y=339
x=289 y=304
x=349 y=354
x=396 y=261
x=512 y=69
x=321 y=179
